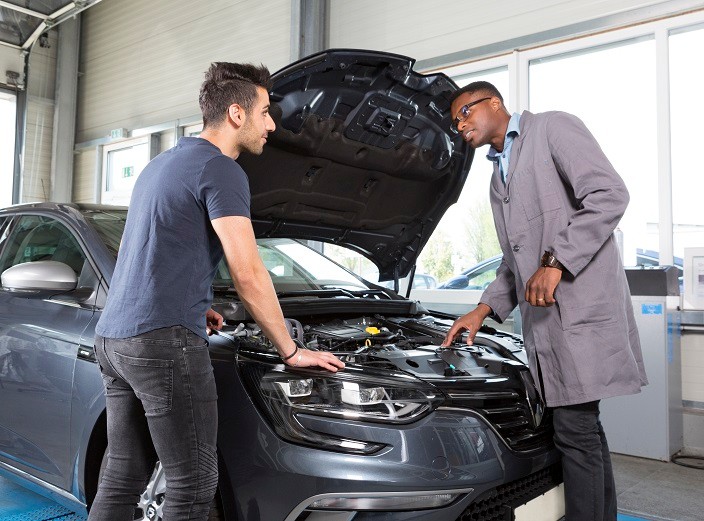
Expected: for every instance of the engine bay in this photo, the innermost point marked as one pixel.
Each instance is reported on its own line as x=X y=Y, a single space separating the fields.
x=410 y=344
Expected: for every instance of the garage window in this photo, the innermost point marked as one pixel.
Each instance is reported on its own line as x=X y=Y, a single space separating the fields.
x=686 y=112
x=617 y=104
x=466 y=235
x=122 y=164
x=7 y=147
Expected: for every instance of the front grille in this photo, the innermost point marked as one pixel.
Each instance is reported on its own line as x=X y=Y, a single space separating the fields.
x=509 y=413
x=497 y=504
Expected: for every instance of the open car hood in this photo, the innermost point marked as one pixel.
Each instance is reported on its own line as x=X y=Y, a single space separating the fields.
x=362 y=156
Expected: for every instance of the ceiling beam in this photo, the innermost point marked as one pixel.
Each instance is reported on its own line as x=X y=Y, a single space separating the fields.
x=24 y=10
x=48 y=20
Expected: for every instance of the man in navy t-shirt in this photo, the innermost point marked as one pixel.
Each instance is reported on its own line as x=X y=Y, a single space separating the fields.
x=189 y=206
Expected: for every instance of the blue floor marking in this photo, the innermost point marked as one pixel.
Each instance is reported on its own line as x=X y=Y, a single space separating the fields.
x=624 y=517
x=20 y=504
x=53 y=513
x=15 y=500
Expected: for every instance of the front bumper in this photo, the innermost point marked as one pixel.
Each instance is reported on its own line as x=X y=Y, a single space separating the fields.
x=451 y=451
x=494 y=504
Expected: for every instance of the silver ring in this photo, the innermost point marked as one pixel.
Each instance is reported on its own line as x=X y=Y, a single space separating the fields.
x=541 y=300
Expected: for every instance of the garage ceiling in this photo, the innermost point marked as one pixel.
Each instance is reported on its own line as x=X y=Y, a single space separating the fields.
x=23 y=21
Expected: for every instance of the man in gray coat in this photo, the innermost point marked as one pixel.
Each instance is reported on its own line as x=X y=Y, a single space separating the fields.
x=556 y=201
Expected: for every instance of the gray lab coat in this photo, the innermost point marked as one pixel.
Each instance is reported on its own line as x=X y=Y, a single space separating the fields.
x=562 y=194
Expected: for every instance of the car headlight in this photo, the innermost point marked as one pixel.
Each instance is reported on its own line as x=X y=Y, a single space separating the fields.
x=283 y=393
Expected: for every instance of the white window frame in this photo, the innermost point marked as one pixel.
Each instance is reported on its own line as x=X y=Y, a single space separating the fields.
x=8 y=167
x=122 y=197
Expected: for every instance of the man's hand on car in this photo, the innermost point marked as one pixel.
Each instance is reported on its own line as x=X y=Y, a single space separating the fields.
x=300 y=357
x=213 y=320
x=471 y=322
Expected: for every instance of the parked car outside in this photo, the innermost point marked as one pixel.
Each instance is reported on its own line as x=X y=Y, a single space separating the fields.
x=652 y=258
x=420 y=281
x=478 y=276
x=362 y=157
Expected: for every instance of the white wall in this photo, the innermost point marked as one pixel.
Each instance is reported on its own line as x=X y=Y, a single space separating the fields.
x=142 y=62
x=426 y=30
x=84 y=185
x=11 y=60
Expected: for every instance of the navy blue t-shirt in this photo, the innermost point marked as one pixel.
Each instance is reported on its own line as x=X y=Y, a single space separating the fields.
x=170 y=252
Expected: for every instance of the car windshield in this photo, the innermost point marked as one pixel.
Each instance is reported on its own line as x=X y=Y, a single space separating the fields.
x=293 y=266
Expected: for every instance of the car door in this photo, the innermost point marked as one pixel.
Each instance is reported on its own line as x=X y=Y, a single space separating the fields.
x=39 y=339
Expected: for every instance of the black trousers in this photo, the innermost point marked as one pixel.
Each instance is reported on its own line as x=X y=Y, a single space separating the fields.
x=590 y=492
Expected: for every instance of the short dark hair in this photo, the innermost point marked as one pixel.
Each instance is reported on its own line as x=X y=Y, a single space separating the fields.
x=478 y=86
x=227 y=83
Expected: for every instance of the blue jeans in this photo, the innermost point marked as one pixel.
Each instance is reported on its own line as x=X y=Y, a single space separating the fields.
x=161 y=404
x=590 y=492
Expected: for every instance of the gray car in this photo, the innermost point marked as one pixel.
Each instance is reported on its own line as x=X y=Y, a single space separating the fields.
x=408 y=431
x=478 y=276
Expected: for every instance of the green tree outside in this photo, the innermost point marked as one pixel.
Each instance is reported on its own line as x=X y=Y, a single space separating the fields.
x=436 y=257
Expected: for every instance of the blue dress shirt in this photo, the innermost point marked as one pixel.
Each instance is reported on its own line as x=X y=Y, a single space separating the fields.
x=503 y=157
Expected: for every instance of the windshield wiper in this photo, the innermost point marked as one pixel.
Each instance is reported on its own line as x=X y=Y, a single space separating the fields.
x=322 y=293
x=334 y=292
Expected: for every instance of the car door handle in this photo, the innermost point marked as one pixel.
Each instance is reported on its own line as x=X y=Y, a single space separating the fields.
x=86 y=353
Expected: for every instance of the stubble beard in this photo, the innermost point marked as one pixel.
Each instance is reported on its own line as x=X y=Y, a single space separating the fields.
x=252 y=143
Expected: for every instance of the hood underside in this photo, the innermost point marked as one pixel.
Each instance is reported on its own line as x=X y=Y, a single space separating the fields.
x=362 y=156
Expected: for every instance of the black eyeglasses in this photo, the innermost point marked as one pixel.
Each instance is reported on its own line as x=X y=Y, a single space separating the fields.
x=463 y=114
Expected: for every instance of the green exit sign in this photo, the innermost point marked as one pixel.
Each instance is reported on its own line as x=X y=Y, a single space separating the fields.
x=127 y=171
x=118 y=133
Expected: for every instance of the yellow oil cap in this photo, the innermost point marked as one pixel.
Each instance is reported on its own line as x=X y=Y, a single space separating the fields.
x=372 y=330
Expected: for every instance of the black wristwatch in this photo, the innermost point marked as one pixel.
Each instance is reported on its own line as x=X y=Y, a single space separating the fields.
x=548 y=260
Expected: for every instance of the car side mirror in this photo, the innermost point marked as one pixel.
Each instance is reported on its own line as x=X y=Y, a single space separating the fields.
x=40 y=278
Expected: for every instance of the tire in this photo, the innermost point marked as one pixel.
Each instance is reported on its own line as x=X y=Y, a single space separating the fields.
x=151 y=502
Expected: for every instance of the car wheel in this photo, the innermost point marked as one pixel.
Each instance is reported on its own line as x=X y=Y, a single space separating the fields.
x=151 y=503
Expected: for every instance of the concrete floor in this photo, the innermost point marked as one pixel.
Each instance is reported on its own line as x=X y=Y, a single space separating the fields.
x=648 y=490
x=658 y=491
